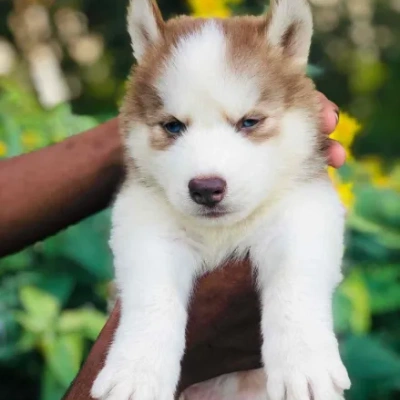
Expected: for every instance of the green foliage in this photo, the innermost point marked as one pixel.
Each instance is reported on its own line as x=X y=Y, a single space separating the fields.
x=373 y=366
x=53 y=302
x=53 y=295
x=26 y=126
x=58 y=336
x=367 y=303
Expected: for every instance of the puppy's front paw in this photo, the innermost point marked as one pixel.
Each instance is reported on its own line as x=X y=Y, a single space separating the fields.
x=299 y=369
x=123 y=381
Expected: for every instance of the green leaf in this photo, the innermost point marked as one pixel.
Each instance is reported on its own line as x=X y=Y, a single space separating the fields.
x=31 y=323
x=95 y=322
x=59 y=285
x=369 y=359
x=10 y=287
x=13 y=131
x=8 y=336
x=383 y=283
x=355 y=289
x=51 y=389
x=86 y=244
x=88 y=322
x=377 y=212
x=27 y=341
x=63 y=356
x=41 y=309
x=15 y=263
x=342 y=312
x=385 y=235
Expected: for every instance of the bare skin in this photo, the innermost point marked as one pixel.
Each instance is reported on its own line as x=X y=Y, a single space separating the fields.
x=45 y=191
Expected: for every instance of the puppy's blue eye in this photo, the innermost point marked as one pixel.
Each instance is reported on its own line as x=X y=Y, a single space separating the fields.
x=174 y=127
x=249 y=123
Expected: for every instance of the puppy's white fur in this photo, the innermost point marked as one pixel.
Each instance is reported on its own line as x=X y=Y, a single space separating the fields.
x=281 y=210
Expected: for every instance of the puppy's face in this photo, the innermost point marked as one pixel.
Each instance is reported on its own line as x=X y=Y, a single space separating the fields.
x=219 y=112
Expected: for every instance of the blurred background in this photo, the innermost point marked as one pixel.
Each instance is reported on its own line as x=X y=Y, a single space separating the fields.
x=63 y=66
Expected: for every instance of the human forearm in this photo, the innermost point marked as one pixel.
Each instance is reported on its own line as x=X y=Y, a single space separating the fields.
x=45 y=191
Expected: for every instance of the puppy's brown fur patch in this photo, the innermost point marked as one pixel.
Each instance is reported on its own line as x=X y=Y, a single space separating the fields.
x=283 y=85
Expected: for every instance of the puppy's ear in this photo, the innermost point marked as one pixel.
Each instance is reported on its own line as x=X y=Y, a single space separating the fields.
x=145 y=25
x=290 y=27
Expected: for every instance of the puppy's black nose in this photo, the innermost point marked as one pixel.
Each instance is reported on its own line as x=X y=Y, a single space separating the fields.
x=207 y=191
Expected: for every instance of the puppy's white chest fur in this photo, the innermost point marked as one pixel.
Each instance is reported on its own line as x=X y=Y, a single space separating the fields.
x=218 y=244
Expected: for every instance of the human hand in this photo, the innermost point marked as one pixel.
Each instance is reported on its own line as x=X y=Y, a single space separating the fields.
x=329 y=120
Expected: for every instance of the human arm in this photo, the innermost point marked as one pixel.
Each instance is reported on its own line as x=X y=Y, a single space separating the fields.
x=47 y=190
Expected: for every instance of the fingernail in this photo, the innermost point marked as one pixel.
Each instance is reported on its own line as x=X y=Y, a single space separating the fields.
x=337 y=113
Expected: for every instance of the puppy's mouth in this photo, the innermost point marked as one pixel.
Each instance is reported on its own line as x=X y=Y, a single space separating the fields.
x=213 y=213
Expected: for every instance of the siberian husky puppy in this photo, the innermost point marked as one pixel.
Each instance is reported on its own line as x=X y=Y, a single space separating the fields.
x=224 y=159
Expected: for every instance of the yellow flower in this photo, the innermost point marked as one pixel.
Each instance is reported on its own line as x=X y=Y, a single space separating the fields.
x=31 y=140
x=373 y=167
x=346 y=194
x=3 y=149
x=210 y=8
x=346 y=131
x=344 y=189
